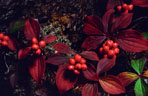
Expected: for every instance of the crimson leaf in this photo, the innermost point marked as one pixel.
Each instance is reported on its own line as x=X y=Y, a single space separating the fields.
x=37 y=68
x=113 y=3
x=65 y=79
x=49 y=39
x=23 y=53
x=12 y=43
x=141 y=3
x=90 y=55
x=90 y=90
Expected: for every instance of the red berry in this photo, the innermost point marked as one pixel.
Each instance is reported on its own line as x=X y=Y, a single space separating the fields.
x=82 y=61
x=70 y=67
x=4 y=43
x=84 y=67
x=42 y=44
x=105 y=56
x=104 y=44
x=101 y=50
x=115 y=45
x=114 y=56
x=106 y=48
x=38 y=51
x=1 y=35
x=0 y=41
x=35 y=46
x=125 y=12
x=76 y=71
x=34 y=40
x=116 y=50
x=78 y=66
x=77 y=58
x=130 y=7
x=119 y=8
x=72 y=61
x=109 y=43
x=111 y=53
x=6 y=38
x=124 y=6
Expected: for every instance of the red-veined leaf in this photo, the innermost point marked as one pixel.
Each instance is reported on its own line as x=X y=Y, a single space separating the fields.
x=32 y=29
x=37 y=68
x=121 y=22
x=12 y=43
x=57 y=59
x=90 y=55
x=93 y=26
x=107 y=20
x=90 y=74
x=90 y=90
x=111 y=84
x=127 y=78
x=65 y=79
x=49 y=38
x=145 y=74
x=92 y=42
x=141 y=3
x=23 y=53
x=63 y=48
x=113 y=3
x=104 y=65
x=132 y=41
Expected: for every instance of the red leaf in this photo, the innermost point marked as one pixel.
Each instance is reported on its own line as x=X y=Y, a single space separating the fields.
x=104 y=65
x=90 y=74
x=32 y=29
x=107 y=20
x=93 y=26
x=12 y=43
x=141 y=3
x=65 y=79
x=63 y=48
x=49 y=38
x=121 y=22
x=113 y=3
x=132 y=41
x=111 y=84
x=23 y=53
x=37 y=68
x=57 y=59
x=92 y=42
x=127 y=78
x=90 y=90
x=90 y=55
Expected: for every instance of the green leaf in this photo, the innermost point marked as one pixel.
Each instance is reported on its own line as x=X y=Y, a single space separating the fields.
x=141 y=88
x=145 y=34
x=17 y=26
x=138 y=65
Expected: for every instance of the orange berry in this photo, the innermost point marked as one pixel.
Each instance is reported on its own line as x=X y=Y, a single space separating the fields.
x=6 y=38
x=1 y=35
x=115 y=45
x=77 y=57
x=70 y=67
x=38 y=51
x=130 y=7
x=116 y=50
x=34 y=40
x=42 y=44
x=119 y=8
x=84 y=67
x=82 y=61
x=76 y=71
x=111 y=53
x=35 y=46
x=78 y=66
x=124 y=6
x=4 y=43
x=106 y=48
x=72 y=61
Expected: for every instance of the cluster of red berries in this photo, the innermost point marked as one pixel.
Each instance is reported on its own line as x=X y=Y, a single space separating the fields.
x=125 y=8
x=37 y=46
x=109 y=49
x=3 y=40
x=77 y=64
